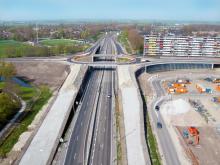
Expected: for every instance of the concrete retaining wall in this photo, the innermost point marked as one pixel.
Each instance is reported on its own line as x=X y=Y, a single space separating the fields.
x=132 y=105
x=44 y=144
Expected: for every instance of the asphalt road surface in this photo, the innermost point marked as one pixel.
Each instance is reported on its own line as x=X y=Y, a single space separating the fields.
x=76 y=153
x=97 y=100
x=166 y=142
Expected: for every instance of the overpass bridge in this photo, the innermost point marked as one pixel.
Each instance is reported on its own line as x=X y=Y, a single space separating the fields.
x=162 y=64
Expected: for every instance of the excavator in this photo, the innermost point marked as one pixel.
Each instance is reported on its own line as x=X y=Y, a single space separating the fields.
x=191 y=132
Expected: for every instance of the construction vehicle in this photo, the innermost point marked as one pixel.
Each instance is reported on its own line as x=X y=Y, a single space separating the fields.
x=178 y=85
x=191 y=132
x=218 y=88
x=177 y=90
x=171 y=90
x=200 y=88
x=181 y=90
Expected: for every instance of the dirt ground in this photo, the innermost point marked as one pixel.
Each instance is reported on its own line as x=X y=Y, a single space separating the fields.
x=208 y=151
x=43 y=73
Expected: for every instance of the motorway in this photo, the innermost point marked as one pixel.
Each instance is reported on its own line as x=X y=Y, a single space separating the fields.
x=97 y=101
x=77 y=143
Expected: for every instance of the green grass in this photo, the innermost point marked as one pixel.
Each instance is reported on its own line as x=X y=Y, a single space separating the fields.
x=56 y=42
x=123 y=59
x=154 y=154
x=1 y=85
x=6 y=45
x=26 y=93
x=11 y=48
x=10 y=141
x=118 y=142
x=123 y=39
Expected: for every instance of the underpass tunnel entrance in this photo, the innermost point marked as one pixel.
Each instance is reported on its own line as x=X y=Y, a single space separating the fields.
x=215 y=66
x=98 y=50
x=176 y=66
x=103 y=58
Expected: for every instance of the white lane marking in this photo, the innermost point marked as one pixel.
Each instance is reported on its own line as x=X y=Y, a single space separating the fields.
x=101 y=146
x=77 y=138
x=74 y=156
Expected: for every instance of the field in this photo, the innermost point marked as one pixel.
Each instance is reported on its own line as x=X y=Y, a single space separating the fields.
x=6 y=45
x=11 y=48
x=56 y=42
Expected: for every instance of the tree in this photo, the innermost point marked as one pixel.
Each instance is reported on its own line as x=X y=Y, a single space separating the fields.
x=135 y=39
x=8 y=107
x=8 y=71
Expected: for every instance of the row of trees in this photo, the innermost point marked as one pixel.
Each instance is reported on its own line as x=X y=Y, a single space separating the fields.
x=34 y=51
x=9 y=103
x=135 y=39
x=28 y=32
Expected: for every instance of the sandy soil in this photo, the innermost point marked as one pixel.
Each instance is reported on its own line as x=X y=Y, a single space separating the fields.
x=47 y=73
x=208 y=150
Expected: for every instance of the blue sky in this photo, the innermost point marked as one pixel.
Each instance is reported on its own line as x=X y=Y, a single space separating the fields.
x=199 y=10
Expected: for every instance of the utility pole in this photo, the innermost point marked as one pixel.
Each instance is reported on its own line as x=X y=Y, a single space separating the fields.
x=36 y=28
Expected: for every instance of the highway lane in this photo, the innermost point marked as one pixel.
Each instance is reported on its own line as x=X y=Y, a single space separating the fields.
x=168 y=148
x=101 y=146
x=100 y=85
x=77 y=144
x=102 y=138
x=119 y=49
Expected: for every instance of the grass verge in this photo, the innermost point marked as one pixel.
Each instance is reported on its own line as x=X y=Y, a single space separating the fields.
x=119 y=149
x=149 y=136
x=154 y=154
x=123 y=59
x=31 y=111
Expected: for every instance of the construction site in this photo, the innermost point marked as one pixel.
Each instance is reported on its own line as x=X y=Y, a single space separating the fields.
x=190 y=110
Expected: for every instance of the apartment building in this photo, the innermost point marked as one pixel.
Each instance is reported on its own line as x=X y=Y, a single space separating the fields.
x=181 y=46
